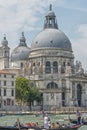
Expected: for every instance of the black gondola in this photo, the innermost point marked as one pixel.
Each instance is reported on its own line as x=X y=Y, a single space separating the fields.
x=36 y=128
x=74 y=121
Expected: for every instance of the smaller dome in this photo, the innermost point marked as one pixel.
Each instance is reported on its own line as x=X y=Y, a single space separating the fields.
x=21 y=52
x=4 y=41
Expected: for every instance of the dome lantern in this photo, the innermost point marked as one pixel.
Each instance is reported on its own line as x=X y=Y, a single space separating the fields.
x=50 y=19
x=51 y=36
x=4 y=41
x=50 y=7
x=22 y=40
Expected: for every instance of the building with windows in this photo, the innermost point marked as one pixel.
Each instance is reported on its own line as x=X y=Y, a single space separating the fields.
x=49 y=64
x=51 y=67
x=7 y=90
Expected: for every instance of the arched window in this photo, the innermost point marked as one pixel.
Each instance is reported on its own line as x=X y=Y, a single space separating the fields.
x=4 y=103
x=21 y=65
x=12 y=92
x=52 y=85
x=63 y=67
x=48 y=67
x=4 y=92
x=79 y=94
x=55 y=67
x=12 y=103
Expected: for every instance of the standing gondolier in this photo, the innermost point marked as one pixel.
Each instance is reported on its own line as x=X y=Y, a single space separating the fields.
x=78 y=114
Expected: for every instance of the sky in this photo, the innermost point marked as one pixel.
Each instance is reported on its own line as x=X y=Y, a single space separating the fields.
x=27 y=16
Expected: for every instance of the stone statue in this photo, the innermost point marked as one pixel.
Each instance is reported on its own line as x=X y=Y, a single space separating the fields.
x=79 y=67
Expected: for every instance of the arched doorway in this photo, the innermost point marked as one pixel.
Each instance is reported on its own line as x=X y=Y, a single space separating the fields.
x=79 y=94
x=52 y=94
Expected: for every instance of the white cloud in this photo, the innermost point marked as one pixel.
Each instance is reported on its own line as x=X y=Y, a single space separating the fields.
x=23 y=15
x=80 y=45
x=20 y=15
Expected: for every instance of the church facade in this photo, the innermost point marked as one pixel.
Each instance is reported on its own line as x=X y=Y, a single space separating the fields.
x=52 y=68
x=49 y=64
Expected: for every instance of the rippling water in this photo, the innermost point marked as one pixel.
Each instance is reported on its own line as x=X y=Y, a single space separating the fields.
x=10 y=119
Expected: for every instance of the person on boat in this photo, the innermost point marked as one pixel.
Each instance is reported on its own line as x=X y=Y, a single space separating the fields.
x=57 y=125
x=78 y=114
x=18 y=124
x=64 y=126
x=36 y=124
x=49 y=122
x=53 y=126
x=69 y=125
x=46 y=125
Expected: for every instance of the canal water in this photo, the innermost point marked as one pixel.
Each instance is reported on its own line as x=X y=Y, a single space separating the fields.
x=11 y=119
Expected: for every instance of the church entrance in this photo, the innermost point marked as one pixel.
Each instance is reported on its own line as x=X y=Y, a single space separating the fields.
x=79 y=94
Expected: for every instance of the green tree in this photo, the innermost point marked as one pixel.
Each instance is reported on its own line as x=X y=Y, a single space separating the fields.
x=26 y=92
x=33 y=95
x=22 y=86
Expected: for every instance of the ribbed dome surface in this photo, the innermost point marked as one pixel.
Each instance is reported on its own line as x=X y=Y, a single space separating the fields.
x=52 y=38
x=20 y=53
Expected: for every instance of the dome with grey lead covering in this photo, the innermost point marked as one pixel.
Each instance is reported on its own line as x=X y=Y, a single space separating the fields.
x=51 y=36
x=21 y=52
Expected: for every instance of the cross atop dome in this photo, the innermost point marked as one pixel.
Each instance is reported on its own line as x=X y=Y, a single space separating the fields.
x=50 y=8
x=4 y=36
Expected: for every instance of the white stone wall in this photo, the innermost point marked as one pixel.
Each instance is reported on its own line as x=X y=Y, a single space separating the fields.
x=43 y=79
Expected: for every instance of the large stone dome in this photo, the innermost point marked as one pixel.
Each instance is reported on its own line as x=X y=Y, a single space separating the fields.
x=21 y=52
x=51 y=36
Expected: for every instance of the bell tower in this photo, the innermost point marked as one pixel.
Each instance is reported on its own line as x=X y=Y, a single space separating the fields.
x=4 y=54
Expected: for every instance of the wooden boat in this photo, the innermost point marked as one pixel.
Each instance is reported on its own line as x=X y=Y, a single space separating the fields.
x=1 y=114
x=74 y=121
x=12 y=128
x=74 y=127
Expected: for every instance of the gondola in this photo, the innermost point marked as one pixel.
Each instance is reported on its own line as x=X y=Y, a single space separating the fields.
x=74 y=121
x=12 y=128
x=37 y=128
x=1 y=114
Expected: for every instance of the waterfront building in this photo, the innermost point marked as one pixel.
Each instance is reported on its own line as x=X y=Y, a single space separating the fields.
x=52 y=69
x=50 y=65
x=7 y=90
